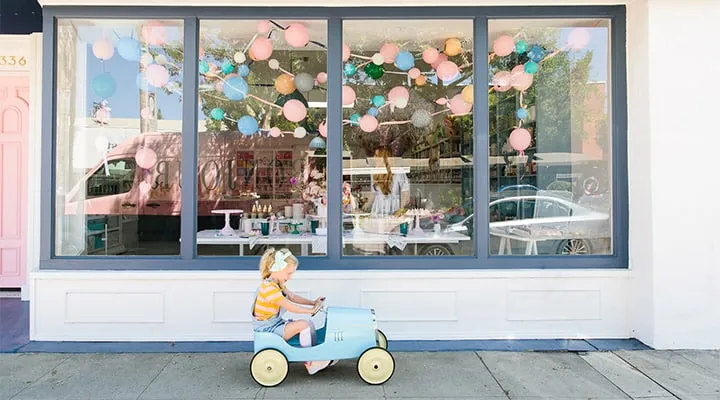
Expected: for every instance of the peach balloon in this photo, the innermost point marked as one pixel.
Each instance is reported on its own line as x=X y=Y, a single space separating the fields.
x=430 y=55
x=520 y=139
x=261 y=48
x=421 y=80
x=458 y=106
x=348 y=95
x=414 y=73
x=294 y=110
x=157 y=75
x=453 y=47
x=389 y=51
x=519 y=79
x=103 y=49
x=284 y=84
x=368 y=123
x=503 y=46
x=501 y=81
x=321 y=77
x=447 y=70
x=275 y=132
x=467 y=94
x=346 y=52
x=322 y=128
x=154 y=33
x=263 y=26
x=297 y=35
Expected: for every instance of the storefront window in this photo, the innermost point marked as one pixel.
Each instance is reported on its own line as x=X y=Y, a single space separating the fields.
x=407 y=137
x=550 y=137
x=118 y=131
x=261 y=143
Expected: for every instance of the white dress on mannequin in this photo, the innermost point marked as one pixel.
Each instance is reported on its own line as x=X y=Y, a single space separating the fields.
x=388 y=204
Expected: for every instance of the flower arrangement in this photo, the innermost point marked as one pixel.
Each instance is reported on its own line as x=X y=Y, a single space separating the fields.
x=310 y=184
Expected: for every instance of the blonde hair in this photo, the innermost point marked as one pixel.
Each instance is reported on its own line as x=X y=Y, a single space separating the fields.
x=384 y=181
x=268 y=259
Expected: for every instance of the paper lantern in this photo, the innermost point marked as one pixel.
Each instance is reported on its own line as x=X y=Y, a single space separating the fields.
x=294 y=110
x=243 y=70
x=317 y=143
x=348 y=95
x=501 y=81
x=296 y=35
x=304 y=82
x=217 y=114
x=355 y=119
x=284 y=84
x=519 y=79
x=346 y=52
x=299 y=132
x=321 y=77
x=373 y=111
x=274 y=64
x=261 y=48
x=146 y=59
x=239 y=57
x=247 y=125
x=275 y=132
x=154 y=33
x=404 y=61
x=503 y=46
x=374 y=71
x=520 y=139
x=421 y=118
x=157 y=75
x=521 y=47
x=399 y=96
x=368 y=123
x=263 y=26
x=467 y=94
x=453 y=47
x=441 y=101
x=389 y=51
x=439 y=60
x=145 y=187
x=227 y=67
x=378 y=100
x=459 y=106
x=104 y=85
x=430 y=55
x=414 y=73
x=531 y=67
x=129 y=49
x=377 y=59
x=322 y=128
x=521 y=113
x=235 y=88
x=578 y=38
x=536 y=53
x=103 y=49
x=146 y=158
x=447 y=70
x=421 y=80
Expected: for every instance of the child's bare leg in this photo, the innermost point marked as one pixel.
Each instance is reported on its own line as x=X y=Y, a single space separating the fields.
x=303 y=329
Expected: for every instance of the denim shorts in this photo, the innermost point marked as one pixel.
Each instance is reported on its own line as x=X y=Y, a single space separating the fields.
x=274 y=324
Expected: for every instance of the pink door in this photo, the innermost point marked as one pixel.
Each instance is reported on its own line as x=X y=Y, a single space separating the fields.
x=14 y=121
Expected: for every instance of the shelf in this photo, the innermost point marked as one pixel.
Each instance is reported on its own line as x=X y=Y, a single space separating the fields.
x=101 y=231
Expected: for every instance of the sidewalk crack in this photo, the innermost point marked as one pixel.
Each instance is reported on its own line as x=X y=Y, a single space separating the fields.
x=647 y=376
x=497 y=382
x=172 y=357
x=606 y=378
x=67 y=357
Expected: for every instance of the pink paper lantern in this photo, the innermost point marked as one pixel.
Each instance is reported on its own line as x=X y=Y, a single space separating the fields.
x=459 y=106
x=154 y=33
x=261 y=49
x=146 y=158
x=442 y=101
x=389 y=51
x=322 y=128
x=520 y=139
x=578 y=38
x=348 y=95
x=503 y=46
x=501 y=81
x=275 y=132
x=439 y=60
x=263 y=26
x=294 y=110
x=430 y=55
x=157 y=75
x=447 y=70
x=398 y=94
x=103 y=49
x=296 y=35
x=346 y=52
x=321 y=77
x=414 y=73
x=368 y=123
x=519 y=79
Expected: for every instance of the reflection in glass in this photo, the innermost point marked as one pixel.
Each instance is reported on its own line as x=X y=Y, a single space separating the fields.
x=119 y=119
x=261 y=143
x=408 y=138
x=550 y=154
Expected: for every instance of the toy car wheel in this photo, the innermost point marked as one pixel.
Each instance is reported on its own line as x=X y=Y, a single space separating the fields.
x=376 y=366
x=269 y=368
x=381 y=339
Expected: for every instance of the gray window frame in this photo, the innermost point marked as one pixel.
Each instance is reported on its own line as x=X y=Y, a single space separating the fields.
x=334 y=260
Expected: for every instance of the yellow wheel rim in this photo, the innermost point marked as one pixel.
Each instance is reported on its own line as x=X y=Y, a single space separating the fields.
x=381 y=339
x=376 y=366
x=269 y=367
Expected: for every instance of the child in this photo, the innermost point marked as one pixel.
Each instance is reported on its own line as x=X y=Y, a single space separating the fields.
x=276 y=268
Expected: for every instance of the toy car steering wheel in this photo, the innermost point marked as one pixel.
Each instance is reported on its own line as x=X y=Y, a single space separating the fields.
x=320 y=307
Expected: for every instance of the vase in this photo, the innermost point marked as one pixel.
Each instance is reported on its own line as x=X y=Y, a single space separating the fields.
x=298 y=211
x=437 y=229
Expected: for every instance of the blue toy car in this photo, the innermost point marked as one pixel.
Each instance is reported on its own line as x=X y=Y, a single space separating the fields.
x=348 y=333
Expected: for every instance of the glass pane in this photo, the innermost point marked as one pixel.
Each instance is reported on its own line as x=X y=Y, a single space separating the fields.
x=408 y=138
x=261 y=149
x=119 y=123
x=550 y=142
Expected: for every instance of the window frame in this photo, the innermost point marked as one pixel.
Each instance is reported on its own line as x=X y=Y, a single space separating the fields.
x=334 y=260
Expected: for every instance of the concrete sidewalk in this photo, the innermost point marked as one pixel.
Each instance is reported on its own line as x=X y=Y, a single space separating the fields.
x=442 y=375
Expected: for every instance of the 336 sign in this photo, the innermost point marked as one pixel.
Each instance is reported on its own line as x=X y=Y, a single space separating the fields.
x=12 y=61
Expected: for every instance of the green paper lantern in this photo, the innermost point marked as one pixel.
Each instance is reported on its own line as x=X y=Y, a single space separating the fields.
x=217 y=114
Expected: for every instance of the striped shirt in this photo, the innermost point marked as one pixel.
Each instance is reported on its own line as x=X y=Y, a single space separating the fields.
x=267 y=304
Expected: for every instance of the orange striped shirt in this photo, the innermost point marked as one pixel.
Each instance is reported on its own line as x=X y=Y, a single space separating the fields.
x=267 y=304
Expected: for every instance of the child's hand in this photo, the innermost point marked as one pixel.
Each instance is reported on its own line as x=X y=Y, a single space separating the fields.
x=319 y=300
x=316 y=308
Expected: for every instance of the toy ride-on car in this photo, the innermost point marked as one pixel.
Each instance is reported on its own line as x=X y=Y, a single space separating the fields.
x=348 y=333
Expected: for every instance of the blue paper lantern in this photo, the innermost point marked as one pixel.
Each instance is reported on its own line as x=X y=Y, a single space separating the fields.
x=203 y=67
x=373 y=111
x=317 y=143
x=521 y=113
x=521 y=47
x=129 y=48
x=355 y=118
x=536 y=53
x=235 y=88
x=217 y=114
x=243 y=70
x=104 y=85
x=378 y=100
x=404 y=60
x=247 y=125
x=227 y=67
x=349 y=69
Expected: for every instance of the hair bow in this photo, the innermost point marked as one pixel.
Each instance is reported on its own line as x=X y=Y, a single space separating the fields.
x=280 y=263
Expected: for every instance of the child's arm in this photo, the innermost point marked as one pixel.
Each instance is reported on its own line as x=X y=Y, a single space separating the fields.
x=294 y=308
x=295 y=298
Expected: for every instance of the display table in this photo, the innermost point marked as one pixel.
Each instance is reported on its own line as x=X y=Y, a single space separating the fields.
x=227 y=230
